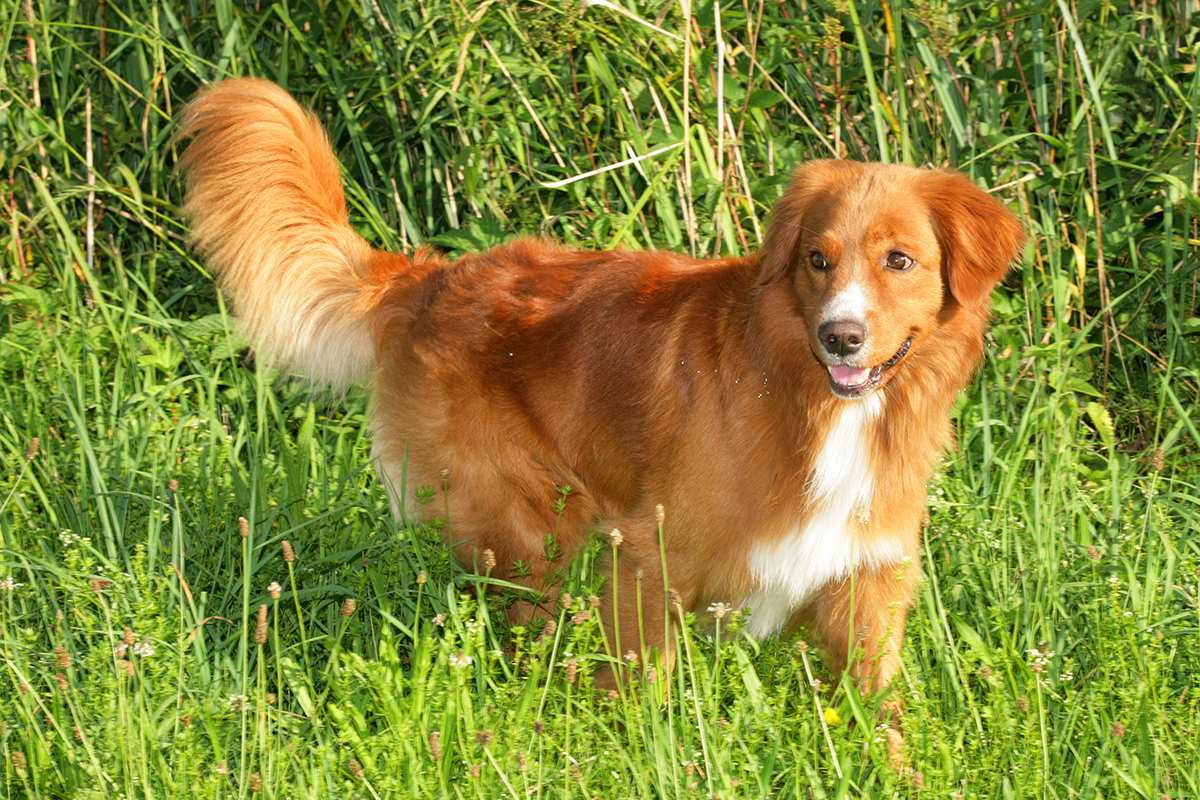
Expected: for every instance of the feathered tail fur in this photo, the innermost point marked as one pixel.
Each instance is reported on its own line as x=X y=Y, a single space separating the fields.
x=268 y=214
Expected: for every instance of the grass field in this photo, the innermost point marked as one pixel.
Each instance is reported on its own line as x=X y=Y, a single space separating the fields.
x=202 y=593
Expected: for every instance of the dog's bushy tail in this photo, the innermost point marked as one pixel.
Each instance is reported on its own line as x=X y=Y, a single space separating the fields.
x=268 y=214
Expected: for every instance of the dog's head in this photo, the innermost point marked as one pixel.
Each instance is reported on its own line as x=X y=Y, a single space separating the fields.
x=874 y=254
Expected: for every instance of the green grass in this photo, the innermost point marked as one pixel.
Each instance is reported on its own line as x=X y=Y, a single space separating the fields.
x=1064 y=522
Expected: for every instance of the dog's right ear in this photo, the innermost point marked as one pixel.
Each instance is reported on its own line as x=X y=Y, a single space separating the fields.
x=808 y=188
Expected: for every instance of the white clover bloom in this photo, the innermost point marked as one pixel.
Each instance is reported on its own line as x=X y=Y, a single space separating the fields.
x=719 y=610
x=9 y=585
x=1038 y=660
x=143 y=649
x=460 y=660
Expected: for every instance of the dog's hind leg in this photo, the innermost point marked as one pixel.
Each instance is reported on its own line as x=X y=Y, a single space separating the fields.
x=639 y=607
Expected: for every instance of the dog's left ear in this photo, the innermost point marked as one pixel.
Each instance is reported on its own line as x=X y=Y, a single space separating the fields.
x=978 y=235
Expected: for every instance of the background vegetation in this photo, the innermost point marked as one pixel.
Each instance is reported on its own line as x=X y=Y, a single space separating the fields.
x=1055 y=647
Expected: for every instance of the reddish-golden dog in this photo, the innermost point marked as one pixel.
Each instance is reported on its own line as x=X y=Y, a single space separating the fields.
x=786 y=408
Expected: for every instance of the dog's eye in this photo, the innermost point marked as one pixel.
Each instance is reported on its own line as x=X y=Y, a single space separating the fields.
x=898 y=261
x=819 y=262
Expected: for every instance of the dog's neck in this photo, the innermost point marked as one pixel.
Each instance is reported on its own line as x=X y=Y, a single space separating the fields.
x=913 y=427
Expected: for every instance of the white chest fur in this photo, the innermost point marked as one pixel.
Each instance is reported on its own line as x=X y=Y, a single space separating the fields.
x=788 y=570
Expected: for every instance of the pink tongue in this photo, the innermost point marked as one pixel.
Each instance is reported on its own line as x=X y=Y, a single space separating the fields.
x=848 y=376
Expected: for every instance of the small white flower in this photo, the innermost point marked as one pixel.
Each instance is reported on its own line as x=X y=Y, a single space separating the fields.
x=9 y=585
x=616 y=537
x=119 y=650
x=440 y=620
x=460 y=660
x=719 y=610
x=143 y=649
x=1038 y=660
x=274 y=589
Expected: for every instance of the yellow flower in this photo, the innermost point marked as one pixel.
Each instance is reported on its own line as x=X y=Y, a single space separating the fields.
x=831 y=716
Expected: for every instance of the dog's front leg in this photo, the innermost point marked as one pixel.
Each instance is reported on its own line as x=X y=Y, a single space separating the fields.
x=861 y=620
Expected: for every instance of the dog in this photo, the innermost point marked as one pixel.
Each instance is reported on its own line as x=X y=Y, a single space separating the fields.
x=783 y=410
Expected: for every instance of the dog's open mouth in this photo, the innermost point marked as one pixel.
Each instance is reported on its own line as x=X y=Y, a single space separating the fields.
x=858 y=381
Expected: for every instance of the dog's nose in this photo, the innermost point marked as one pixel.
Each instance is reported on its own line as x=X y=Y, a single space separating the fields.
x=842 y=337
